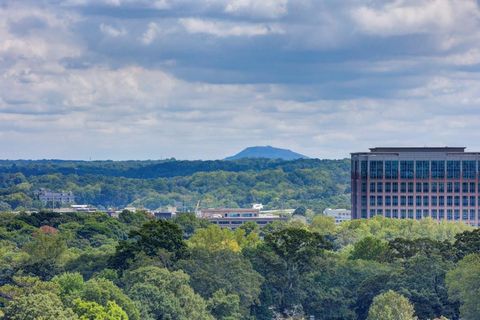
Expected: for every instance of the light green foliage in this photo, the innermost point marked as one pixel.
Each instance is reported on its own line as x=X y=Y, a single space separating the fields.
x=38 y=306
x=463 y=282
x=391 y=306
x=102 y=291
x=87 y=310
x=323 y=225
x=162 y=294
x=215 y=238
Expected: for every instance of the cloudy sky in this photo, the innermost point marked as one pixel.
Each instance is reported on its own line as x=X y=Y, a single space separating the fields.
x=191 y=79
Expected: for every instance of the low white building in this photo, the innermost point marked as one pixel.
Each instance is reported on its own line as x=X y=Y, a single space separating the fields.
x=340 y=215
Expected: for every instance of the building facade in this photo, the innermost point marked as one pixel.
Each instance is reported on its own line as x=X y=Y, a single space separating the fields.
x=48 y=197
x=234 y=218
x=415 y=183
x=340 y=215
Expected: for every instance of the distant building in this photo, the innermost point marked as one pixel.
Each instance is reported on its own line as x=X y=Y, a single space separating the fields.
x=76 y=208
x=414 y=183
x=50 y=198
x=234 y=218
x=340 y=215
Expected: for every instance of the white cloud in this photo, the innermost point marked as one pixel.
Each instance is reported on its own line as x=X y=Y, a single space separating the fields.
x=150 y=34
x=410 y=17
x=112 y=31
x=263 y=8
x=227 y=29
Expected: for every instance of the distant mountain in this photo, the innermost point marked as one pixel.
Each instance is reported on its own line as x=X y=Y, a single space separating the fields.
x=267 y=152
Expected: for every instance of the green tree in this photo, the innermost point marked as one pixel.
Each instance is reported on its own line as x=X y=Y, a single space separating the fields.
x=462 y=283
x=88 y=310
x=36 y=306
x=158 y=238
x=211 y=271
x=162 y=294
x=224 y=306
x=391 y=306
x=369 y=248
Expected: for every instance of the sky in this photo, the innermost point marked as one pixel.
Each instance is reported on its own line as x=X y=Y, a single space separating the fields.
x=192 y=79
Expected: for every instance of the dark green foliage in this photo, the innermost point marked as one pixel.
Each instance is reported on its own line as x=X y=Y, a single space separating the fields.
x=156 y=238
x=467 y=243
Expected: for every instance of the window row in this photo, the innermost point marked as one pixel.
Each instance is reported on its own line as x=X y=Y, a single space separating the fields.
x=442 y=214
x=420 y=187
x=420 y=169
x=419 y=201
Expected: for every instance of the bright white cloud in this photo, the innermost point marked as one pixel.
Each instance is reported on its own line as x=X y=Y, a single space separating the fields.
x=223 y=29
x=411 y=17
x=264 y=8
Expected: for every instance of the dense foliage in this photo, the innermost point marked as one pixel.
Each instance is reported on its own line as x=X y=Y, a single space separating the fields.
x=315 y=184
x=92 y=266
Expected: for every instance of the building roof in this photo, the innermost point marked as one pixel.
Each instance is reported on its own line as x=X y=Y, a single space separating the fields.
x=414 y=149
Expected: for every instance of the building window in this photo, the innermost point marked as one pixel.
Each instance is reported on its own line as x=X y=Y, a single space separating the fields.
x=418 y=214
x=456 y=214
x=364 y=201
x=379 y=187
x=425 y=201
x=395 y=200
x=425 y=213
x=394 y=187
x=391 y=169
x=406 y=169
x=464 y=214
x=410 y=213
x=372 y=201
x=388 y=201
x=469 y=169
x=472 y=215
x=418 y=201
x=410 y=187
x=418 y=188
x=441 y=201
x=364 y=169
x=422 y=169
x=472 y=187
x=465 y=187
x=434 y=187
x=465 y=201
x=456 y=201
x=403 y=187
x=388 y=187
x=472 y=201
x=456 y=187
x=434 y=200
x=372 y=187
x=376 y=169
x=449 y=187
x=425 y=187
x=449 y=201
x=364 y=213
x=403 y=201
x=441 y=187
x=438 y=169
x=410 y=200
x=453 y=169
x=379 y=201
x=434 y=214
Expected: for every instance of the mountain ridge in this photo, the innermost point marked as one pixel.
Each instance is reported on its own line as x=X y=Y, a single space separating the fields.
x=267 y=152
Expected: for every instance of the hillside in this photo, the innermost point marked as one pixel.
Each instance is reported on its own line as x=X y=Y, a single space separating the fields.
x=267 y=152
x=313 y=183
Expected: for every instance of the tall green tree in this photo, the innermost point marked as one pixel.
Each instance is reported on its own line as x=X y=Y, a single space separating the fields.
x=391 y=306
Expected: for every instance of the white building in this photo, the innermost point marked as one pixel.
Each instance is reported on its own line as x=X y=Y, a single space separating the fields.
x=340 y=215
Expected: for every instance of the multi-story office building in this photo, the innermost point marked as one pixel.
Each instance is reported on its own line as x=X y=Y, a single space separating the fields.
x=415 y=183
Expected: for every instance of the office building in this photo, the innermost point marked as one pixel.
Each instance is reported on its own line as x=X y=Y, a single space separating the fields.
x=340 y=215
x=415 y=183
x=234 y=218
x=50 y=198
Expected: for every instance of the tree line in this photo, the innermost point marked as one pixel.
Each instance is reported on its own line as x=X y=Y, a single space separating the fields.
x=92 y=266
x=315 y=184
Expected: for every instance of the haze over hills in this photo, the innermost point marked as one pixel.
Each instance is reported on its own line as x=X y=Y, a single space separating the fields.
x=267 y=152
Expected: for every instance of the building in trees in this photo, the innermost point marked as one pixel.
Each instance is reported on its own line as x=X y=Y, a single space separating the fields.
x=415 y=183
x=340 y=215
x=53 y=199
x=234 y=218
